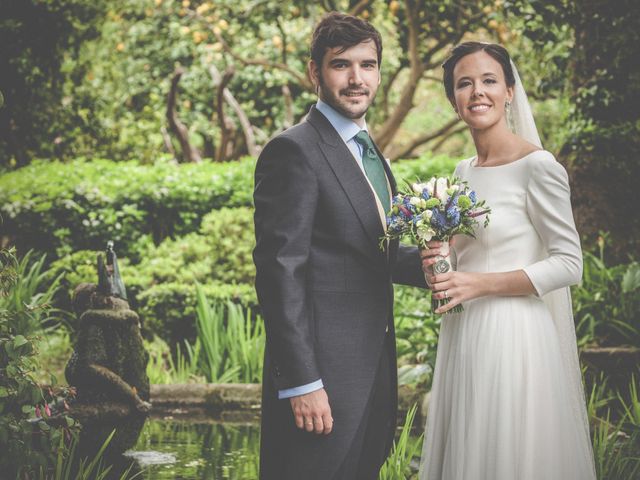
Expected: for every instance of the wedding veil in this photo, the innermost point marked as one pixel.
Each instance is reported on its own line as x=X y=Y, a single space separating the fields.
x=558 y=301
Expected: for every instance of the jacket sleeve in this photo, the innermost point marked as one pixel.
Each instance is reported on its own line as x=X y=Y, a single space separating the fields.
x=549 y=208
x=408 y=267
x=285 y=196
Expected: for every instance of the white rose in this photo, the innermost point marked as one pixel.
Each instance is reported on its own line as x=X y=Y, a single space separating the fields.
x=430 y=185
x=418 y=187
x=428 y=214
x=441 y=187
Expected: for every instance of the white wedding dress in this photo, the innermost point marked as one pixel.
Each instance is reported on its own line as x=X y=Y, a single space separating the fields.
x=506 y=401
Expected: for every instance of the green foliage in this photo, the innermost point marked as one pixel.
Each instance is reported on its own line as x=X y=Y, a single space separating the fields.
x=417 y=329
x=26 y=446
x=61 y=208
x=162 y=369
x=606 y=303
x=232 y=342
x=404 y=451
x=36 y=36
x=70 y=466
x=28 y=300
x=615 y=442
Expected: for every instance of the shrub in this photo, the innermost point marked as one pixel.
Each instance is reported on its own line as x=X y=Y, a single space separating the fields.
x=60 y=208
x=26 y=446
x=161 y=287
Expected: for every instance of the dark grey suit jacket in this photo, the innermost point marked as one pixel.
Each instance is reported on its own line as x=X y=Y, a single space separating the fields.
x=324 y=288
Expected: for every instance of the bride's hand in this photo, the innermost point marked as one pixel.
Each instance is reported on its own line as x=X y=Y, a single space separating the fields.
x=458 y=287
x=428 y=255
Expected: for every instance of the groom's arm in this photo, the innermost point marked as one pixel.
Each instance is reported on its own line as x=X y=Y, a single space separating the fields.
x=408 y=267
x=285 y=196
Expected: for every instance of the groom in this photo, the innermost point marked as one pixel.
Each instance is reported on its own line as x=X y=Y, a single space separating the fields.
x=323 y=283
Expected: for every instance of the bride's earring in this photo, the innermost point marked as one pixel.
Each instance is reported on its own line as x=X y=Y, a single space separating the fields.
x=509 y=114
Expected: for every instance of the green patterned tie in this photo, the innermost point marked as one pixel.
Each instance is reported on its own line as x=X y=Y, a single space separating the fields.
x=373 y=168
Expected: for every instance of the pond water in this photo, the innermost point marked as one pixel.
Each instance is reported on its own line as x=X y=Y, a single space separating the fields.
x=188 y=449
x=198 y=448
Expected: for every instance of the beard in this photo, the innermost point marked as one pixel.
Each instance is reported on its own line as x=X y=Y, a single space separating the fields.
x=341 y=102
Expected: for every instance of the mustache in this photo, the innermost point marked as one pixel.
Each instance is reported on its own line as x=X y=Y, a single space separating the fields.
x=346 y=91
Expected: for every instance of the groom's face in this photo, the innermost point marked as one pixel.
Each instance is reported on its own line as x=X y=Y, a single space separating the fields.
x=348 y=80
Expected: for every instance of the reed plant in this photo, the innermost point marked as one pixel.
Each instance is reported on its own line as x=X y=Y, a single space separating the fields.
x=407 y=449
x=163 y=369
x=232 y=341
x=70 y=466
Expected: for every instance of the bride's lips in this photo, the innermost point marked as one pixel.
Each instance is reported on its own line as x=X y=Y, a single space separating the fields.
x=479 y=107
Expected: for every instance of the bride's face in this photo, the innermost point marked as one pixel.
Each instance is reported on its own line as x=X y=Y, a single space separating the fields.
x=480 y=91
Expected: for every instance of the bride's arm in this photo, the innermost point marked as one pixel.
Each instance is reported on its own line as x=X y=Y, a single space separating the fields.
x=549 y=208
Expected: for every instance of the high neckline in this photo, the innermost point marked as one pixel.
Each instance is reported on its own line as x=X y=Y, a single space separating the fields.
x=475 y=159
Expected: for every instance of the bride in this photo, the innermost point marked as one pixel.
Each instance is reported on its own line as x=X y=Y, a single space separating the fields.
x=507 y=401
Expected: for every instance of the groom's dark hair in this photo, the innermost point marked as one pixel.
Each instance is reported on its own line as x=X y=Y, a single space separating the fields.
x=498 y=52
x=344 y=31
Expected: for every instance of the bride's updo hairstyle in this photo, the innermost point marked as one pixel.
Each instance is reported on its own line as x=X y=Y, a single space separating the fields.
x=497 y=52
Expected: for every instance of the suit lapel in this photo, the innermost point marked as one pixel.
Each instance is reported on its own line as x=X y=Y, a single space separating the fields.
x=350 y=177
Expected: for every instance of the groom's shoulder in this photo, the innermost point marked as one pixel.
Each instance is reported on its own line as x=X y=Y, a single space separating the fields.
x=302 y=134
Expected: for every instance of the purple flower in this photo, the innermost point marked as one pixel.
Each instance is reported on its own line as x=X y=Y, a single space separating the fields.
x=472 y=197
x=438 y=220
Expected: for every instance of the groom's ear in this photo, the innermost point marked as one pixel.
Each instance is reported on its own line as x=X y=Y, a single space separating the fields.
x=313 y=73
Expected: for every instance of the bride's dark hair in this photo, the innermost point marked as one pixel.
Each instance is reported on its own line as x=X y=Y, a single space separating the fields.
x=498 y=52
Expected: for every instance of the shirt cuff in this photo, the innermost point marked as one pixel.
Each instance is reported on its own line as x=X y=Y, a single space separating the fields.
x=301 y=390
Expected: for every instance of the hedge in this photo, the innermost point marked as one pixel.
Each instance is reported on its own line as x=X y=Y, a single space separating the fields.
x=60 y=208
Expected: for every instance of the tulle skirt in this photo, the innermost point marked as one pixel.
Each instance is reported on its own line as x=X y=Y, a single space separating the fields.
x=499 y=406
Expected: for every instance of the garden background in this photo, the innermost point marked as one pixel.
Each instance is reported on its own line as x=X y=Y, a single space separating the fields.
x=139 y=121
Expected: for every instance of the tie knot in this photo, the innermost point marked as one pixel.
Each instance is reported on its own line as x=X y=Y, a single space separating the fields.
x=363 y=138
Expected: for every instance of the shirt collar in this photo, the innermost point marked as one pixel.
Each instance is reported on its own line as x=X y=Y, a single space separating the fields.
x=345 y=127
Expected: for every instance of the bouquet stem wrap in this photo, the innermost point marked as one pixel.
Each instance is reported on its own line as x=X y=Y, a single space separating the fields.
x=443 y=265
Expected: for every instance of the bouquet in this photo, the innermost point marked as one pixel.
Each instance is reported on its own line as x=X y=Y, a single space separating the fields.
x=435 y=210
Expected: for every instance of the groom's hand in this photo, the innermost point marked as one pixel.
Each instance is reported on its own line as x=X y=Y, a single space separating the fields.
x=312 y=412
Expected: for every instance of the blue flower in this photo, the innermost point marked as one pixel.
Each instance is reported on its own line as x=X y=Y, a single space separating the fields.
x=453 y=217
x=425 y=194
x=438 y=220
x=472 y=197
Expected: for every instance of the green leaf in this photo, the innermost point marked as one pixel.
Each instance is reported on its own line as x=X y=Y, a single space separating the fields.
x=4 y=392
x=631 y=278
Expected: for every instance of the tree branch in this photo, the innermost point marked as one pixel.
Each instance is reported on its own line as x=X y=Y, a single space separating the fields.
x=447 y=136
x=408 y=149
x=245 y=124
x=289 y=118
x=300 y=78
x=359 y=7
x=387 y=90
x=390 y=127
x=189 y=152
x=227 y=128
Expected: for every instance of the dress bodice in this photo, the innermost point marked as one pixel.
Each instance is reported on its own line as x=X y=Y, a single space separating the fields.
x=531 y=224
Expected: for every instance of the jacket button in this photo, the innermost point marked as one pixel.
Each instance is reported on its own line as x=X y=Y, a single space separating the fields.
x=386 y=329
